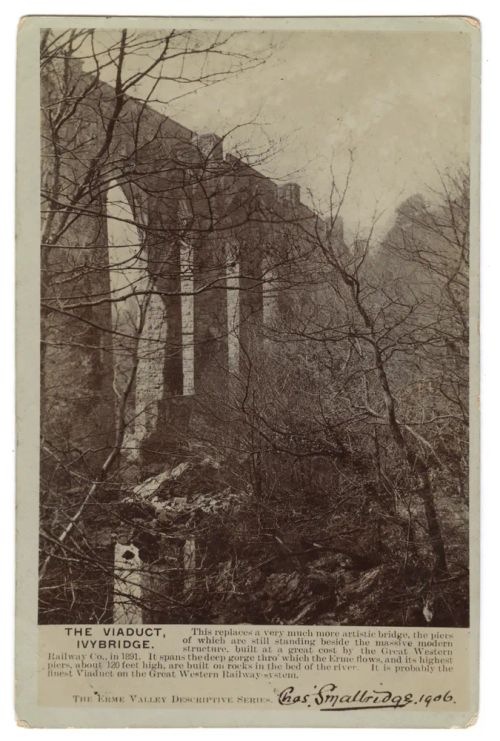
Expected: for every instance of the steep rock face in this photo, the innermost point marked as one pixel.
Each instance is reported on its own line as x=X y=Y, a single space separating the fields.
x=230 y=574
x=211 y=551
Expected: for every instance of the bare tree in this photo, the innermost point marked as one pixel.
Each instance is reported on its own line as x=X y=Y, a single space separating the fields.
x=312 y=474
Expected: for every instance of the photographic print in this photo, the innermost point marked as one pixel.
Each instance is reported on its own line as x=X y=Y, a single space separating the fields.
x=254 y=326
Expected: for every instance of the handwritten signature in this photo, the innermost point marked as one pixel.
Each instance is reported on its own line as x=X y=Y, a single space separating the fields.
x=328 y=697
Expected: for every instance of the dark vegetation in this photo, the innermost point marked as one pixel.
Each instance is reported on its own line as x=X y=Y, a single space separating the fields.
x=323 y=481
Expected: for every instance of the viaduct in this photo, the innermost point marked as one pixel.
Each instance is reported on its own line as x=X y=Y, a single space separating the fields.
x=163 y=259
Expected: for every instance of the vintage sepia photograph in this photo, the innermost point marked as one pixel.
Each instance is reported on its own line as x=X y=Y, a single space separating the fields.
x=254 y=324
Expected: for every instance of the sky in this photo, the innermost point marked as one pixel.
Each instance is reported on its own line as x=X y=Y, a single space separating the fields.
x=399 y=100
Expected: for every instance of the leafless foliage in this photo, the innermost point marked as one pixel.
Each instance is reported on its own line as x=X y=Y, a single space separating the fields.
x=273 y=412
